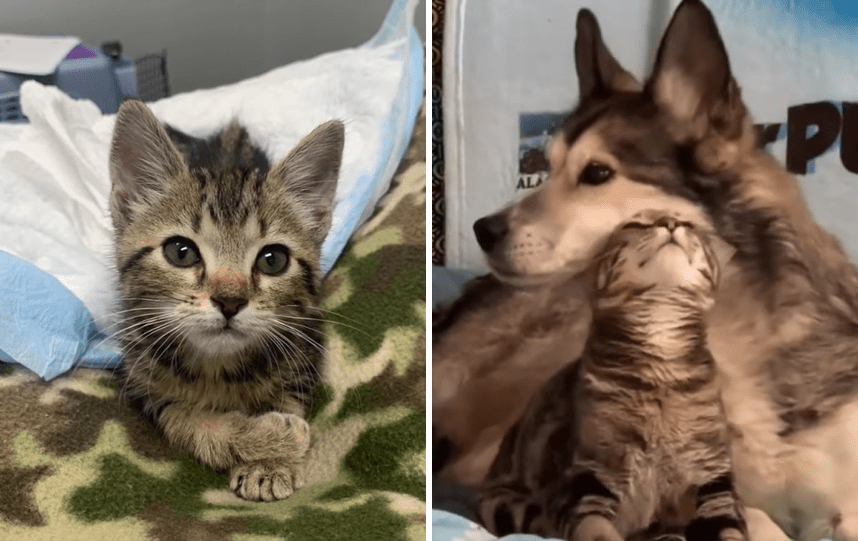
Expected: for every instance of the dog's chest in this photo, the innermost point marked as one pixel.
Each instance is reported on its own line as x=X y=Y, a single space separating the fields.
x=800 y=480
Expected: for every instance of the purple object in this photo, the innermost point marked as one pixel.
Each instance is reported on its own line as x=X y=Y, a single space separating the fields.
x=81 y=51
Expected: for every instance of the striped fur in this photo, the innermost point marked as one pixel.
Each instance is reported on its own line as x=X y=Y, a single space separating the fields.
x=631 y=441
x=222 y=354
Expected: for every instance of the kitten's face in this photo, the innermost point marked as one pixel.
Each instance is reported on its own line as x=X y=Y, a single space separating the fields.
x=659 y=250
x=219 y=259
x=220 y=284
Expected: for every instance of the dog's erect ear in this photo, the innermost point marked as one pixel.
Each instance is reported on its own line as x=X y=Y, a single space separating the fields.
x=692 y=81
x=599 y=73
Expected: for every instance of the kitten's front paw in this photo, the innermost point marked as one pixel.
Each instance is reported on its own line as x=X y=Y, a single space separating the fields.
x=276 y=435
x=265 y=480
x=731 y=534
x=294 y=425
x=596 y=528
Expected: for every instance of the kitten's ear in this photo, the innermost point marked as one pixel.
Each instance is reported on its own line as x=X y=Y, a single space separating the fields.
x=604 y=266
x=142 y=158
x=692 y=81
x=599 y=73
x=723 y=250
x=309 y=173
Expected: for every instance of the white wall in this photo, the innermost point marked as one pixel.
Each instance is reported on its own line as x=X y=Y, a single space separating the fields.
x=208 y=42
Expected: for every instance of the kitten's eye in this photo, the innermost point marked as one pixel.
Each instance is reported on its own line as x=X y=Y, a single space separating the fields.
x=181 y=252
x=273 y=259
x=595 y=173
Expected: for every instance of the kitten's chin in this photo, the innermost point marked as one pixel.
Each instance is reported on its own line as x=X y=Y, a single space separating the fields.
x=219 y=343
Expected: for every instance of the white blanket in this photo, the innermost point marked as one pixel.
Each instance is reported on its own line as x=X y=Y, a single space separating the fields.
x=54 y=181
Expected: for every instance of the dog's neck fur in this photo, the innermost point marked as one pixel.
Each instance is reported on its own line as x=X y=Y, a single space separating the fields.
x=785 y=256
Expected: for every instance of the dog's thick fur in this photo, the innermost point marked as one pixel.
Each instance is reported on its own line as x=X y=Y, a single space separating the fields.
x=784 y=330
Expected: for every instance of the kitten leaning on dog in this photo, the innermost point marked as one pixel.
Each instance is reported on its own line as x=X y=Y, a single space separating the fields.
x=218 y=259
x=630 y=442
x=784 y=328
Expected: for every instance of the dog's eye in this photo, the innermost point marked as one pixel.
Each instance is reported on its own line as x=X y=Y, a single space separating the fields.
x=595 y=173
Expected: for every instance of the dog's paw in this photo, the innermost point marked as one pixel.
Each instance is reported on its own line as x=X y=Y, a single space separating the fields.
x=761 y=527
x=265 y=480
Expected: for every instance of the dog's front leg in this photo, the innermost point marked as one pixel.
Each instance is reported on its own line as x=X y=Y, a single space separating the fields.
x=761 y=527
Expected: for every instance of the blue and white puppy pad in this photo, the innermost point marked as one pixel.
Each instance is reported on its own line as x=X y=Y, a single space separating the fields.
x=55 y=183
x=450 y=527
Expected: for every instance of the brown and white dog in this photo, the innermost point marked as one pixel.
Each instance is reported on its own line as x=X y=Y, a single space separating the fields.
x=784 y=330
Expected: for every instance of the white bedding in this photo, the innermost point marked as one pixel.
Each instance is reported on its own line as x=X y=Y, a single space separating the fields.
x=54 y=181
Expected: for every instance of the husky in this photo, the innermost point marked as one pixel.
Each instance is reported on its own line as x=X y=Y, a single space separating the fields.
x=784 y=328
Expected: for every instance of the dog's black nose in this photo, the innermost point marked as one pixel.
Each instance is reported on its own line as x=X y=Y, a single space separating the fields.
x=489 y=230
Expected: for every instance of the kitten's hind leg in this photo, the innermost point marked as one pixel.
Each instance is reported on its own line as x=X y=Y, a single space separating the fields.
x=264 y=454
x=719 y=515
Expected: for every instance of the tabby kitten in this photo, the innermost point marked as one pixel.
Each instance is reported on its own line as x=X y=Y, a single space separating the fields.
x=631 y=441
x=218 y=258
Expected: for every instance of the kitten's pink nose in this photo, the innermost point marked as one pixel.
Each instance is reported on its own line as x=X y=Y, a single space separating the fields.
x=229 y=306
x=228 y=283
x=670 y=223
x=229 y=291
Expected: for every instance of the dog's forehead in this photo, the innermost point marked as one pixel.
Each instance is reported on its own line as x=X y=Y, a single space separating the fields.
x=626 y=133
x=619 y=110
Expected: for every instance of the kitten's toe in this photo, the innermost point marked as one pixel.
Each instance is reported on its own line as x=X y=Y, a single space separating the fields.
x=265 y=480
x=297 y=428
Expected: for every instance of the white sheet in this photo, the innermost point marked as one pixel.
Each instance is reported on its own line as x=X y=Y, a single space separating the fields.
x=54 y=181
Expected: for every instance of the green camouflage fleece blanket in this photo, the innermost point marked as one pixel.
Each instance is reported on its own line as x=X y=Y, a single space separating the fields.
x=78 y=464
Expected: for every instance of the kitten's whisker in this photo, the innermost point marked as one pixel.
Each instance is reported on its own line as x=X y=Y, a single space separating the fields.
x=327 y=320
x=312 y=366
x=128 y=326
x=271 y=355
x=291 y=352
x=335 y=313
x=296 y=331
x=136 y=336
